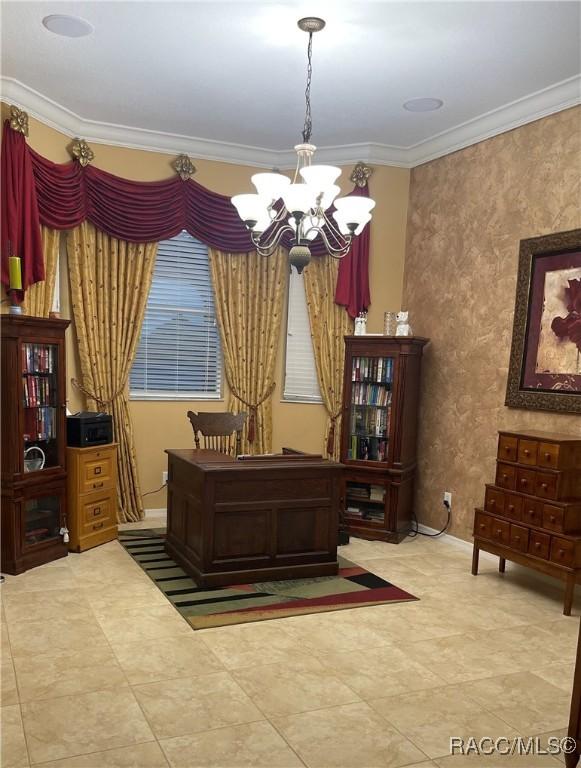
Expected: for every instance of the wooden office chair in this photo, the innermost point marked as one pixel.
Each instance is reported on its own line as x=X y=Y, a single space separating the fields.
x=218 y=430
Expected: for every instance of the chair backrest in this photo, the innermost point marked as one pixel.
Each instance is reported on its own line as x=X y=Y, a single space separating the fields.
x=221 y=431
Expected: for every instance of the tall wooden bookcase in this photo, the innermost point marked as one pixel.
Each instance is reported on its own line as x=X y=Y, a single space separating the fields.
x=378 y=437
x=33 y=416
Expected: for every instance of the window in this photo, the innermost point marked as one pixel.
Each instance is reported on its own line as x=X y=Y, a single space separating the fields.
x=300 y=381
x=179 y=354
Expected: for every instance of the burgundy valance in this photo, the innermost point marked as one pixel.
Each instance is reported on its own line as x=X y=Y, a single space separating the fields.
x=37 y=191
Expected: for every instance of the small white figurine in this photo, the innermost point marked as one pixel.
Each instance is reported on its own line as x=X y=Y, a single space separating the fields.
x=360 y=324
x=403 y=327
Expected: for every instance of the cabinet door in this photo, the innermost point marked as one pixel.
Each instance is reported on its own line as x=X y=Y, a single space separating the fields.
x=42 y=514
x=369 y=408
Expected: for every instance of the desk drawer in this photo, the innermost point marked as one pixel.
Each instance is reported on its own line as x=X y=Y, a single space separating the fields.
x=482 y=525
x=500 y=531
x=525 y=480
x=539 y=544
x=519 y=538
x=563 y=551
x=494 y=501
x=507 y=448
x=97 y=507
x=96 y=471
x=532 y=512
x=527 y=451
x=506 y=476
x=546 y=485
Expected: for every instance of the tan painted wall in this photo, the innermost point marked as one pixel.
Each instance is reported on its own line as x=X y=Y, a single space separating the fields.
x=160 y=425
x=467 y=213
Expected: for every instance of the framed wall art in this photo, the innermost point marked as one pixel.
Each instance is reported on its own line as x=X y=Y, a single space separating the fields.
x=545 y=359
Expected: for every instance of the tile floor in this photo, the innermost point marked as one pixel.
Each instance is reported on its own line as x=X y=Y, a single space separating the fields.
x=98 y=671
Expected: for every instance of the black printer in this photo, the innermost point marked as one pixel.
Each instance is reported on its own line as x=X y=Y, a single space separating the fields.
x=88 y=428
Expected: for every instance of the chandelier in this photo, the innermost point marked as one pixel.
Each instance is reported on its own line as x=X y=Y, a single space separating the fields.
x=301 y=207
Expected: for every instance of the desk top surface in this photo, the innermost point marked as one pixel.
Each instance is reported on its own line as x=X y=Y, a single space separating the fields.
x=217 y=460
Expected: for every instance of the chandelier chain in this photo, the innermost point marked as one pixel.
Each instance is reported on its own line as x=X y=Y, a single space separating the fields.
x=308 y=127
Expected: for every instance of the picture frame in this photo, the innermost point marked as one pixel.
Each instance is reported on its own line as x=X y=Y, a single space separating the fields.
x=545 y=361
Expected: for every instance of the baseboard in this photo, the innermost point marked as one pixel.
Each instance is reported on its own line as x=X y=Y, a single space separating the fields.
x=461 y=543
x=155 y=512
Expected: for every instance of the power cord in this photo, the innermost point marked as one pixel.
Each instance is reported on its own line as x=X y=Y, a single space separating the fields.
x=157 y=490
x=413 y=532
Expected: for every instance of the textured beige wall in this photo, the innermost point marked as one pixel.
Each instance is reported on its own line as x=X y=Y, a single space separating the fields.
x=467 y=213
x=160 y=425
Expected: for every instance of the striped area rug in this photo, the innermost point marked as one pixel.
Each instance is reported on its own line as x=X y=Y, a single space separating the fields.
x=218 y=606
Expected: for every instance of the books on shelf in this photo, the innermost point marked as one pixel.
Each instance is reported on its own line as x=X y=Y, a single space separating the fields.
x=371 y=422
x=370 y=448
x=372 y=369
x=38 y=358
x=39 y=424
x=370 y=394
x=37 y=390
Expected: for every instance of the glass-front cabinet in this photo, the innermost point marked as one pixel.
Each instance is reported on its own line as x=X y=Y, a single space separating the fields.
x=33 y=441
x=380 y=393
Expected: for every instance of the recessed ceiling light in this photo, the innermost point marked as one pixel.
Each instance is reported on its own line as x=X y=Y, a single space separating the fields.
x=423 y=105
x=67 y=26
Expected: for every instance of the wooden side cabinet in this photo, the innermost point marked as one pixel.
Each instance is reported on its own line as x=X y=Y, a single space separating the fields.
x=92 y=496
x=379 y=427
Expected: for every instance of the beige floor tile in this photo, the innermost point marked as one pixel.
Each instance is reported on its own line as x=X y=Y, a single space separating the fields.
x=193 y=704
x=255 y=745
x=46 y=606
x=179 y=656
x=8 y=691
x=76 y=725
x=280 y=689
x=48 y=676
x=13 y=751
x=559 y=675
x=40 y=580
x=333 y=633
x=253 y=644
x=512 y=690
x=147 y=755
x=144 y=625
x=380 y=672
x=5 y=651
x=349 y=736
x=433 y=738
x=55 y=637
x=427 y=706
x=143 y=596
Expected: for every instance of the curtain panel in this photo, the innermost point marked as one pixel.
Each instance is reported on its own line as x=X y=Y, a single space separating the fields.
x=249 y=293
x=38 y=299
x=61 y=196
x=110 y=282
x=329 y=323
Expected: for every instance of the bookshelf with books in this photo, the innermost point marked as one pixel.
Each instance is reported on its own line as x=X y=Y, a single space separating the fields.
x=33 y=441
x=378 y=443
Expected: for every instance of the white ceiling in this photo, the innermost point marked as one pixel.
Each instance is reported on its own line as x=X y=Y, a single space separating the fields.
x=234 y=72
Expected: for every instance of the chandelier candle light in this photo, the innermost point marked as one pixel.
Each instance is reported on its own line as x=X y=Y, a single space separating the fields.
x=300 y=206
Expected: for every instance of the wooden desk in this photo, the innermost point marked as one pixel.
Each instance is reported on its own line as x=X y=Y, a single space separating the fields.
x=235 y=521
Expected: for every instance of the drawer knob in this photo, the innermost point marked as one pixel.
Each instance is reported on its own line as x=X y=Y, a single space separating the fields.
x=498 y=531
x=537 y=544
x=527 y=452
x=517 y=538
x=548 y=456
x=504 y=476
x=544 y=486
x=97 y=470
x=96 y=511
x=482 y=526
x=97 y=526
x=511 y=507
x=552 y=518
x=524 y=481
x=97 y=485
x=492 y=502
x=561 y=552
x=507 y=448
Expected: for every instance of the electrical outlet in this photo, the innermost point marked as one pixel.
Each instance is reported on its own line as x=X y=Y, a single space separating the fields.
x=164 y=478
x=448 y=498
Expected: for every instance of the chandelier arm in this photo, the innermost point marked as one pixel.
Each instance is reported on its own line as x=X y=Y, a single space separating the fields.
x=269 y=247
x=336 y=253
x=337 y=236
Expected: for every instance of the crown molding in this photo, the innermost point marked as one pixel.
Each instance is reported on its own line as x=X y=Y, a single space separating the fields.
x=533 y=107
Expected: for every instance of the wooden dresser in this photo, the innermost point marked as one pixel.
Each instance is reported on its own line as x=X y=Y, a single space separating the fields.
x=92 y=496
x=532 y=512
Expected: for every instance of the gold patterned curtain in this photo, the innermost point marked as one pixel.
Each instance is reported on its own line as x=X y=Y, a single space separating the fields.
x=329 y=324
x=110 y=281
x=38 y=299
x=249 y=291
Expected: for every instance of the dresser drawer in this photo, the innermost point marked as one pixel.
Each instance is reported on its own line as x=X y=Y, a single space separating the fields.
x=513 y=506
x=525 y=480
x=519 y=538
x=548 y=455
x=98 y=507
x=507 y=448
x=563 y=551
x=532 y=512
x=539 y=544
x=553 y=518
x=506 y=476
x=96 y=471
x=500 y=531
x=527 y=451
x=482 y=525
x=546 y=485
x=494 y=501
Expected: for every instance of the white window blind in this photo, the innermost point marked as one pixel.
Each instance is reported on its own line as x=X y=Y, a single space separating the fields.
x=300 y=381
x=179 y=352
